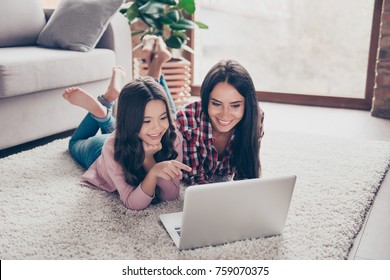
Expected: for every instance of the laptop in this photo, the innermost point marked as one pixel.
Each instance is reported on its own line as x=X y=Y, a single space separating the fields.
x=220 y=213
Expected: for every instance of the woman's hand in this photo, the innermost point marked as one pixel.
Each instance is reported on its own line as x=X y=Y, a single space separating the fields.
x=169 y=170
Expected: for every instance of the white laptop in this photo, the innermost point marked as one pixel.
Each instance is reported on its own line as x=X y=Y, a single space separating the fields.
x=225 y=212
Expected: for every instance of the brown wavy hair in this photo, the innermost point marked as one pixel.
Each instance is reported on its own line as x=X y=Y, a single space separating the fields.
x=128 y=148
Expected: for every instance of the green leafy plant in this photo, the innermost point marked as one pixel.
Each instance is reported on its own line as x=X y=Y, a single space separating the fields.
x=165 y=18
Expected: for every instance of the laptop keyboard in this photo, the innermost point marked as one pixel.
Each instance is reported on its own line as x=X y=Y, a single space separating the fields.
x=178 y=230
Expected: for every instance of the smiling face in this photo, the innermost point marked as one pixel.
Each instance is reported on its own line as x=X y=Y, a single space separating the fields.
x=226 y=107
x=155 y=122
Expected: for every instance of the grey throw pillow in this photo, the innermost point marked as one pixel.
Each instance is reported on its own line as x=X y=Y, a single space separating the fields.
x=78 y=24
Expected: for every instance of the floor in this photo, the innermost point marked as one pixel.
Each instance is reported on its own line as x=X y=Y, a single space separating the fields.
x=373 y=241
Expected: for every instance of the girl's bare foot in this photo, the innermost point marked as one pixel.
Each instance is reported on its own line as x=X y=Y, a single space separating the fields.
x=83 y=99
x=160 y=56
x=116 y=84
x=148 y=42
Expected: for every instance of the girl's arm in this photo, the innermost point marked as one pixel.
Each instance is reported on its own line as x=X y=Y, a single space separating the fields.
x=111 y=174
x=166 y=174
x=171 y=191
x=140 y=197
x=133 y=197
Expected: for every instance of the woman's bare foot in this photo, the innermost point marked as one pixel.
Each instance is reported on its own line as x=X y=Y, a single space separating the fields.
x=160 y=56
x=83 y=99
x=116 y=84
x=148 y=43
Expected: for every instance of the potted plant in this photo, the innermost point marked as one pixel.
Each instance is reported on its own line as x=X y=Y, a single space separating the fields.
x=169 y=19
x=165 y=18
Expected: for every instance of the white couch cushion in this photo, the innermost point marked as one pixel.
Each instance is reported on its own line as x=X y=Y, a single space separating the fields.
x=26 y=69
x=21 y=22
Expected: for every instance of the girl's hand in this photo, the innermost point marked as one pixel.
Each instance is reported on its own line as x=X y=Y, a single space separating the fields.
x=150 y=150
x=170 y=169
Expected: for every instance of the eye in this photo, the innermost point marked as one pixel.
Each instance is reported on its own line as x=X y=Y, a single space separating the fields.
x=216 y=104
x=235 y=106
x=164 y=118
x=146 y=121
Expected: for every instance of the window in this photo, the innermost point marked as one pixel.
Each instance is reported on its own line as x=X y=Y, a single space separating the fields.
x=301 y=51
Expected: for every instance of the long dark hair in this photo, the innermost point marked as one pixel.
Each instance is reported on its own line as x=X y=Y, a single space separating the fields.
x=128 y=148
x=245 y=147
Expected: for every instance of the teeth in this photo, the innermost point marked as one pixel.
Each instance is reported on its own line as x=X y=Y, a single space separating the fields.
x=154 y=135
x=223 y=122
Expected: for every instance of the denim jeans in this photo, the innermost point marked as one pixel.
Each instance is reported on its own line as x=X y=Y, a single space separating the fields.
x=86 y=145
x=169 y=95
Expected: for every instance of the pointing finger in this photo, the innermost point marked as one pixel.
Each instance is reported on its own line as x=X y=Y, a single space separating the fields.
x=181 y=165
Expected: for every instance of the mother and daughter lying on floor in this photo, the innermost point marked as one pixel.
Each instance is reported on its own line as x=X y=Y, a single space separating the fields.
x=148 y=148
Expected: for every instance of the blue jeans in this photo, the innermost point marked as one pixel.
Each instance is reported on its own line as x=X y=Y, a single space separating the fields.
x=85 y=145
x=169 y=95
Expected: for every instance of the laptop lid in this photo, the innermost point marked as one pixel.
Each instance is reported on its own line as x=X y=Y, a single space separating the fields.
x=225 y=212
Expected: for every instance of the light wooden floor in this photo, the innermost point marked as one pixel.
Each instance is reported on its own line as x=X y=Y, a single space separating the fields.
x=373 y=242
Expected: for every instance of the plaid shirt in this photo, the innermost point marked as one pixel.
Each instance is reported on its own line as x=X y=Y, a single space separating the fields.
x=198 y=150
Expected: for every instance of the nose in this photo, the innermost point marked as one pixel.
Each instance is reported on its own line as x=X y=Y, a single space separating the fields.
x=225 y=111
x=156 y=124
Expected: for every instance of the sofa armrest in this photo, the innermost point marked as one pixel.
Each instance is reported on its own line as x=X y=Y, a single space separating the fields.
x=117 y=37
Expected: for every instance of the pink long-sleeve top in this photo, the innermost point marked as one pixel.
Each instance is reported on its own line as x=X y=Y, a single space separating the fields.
x=106 y=174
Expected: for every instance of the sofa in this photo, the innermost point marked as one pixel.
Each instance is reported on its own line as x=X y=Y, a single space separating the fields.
x=36 y=67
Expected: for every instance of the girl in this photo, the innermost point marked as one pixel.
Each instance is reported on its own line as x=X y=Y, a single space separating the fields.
x=141 y=158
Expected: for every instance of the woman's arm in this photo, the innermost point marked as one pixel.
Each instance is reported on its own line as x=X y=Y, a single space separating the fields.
x=193 y=158
x=194 y=150
x=261 y=123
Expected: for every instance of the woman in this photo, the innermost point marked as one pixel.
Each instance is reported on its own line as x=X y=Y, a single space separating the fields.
x=222 y=132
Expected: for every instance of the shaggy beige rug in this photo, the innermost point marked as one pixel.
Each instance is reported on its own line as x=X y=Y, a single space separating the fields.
x=46 y=214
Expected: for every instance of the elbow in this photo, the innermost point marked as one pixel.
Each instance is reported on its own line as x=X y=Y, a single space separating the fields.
x=134 y=204
x=171 y=195
x=172 y=192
